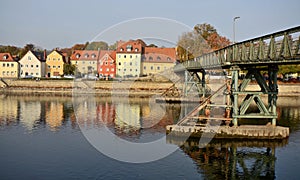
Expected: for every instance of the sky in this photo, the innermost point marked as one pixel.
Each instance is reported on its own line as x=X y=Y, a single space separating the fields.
x=63 y=23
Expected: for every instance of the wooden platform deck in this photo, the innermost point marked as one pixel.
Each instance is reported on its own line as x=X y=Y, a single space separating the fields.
x=243 y=131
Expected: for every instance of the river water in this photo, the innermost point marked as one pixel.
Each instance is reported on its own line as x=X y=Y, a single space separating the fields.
x=41 y=138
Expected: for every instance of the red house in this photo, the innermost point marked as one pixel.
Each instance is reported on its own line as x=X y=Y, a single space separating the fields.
x=107 y=64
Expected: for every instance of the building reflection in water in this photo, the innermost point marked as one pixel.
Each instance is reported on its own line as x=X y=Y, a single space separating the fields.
x=8 y=110
x=30 y=113
x=54 y=114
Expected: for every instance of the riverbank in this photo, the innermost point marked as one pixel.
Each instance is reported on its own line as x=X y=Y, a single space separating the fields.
x=108 y=88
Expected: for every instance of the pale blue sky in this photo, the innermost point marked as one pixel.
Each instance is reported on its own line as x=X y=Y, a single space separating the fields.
x=62 y=23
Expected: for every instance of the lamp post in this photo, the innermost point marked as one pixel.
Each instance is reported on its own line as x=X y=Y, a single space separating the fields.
x=235 y=18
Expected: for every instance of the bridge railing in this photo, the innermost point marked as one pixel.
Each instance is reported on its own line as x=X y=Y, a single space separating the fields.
x=280 y=46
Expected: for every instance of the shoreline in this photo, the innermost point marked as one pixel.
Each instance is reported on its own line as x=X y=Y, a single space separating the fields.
x=109 y=88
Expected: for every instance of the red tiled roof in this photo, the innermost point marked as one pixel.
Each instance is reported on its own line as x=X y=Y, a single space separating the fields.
x=6 y=57
x=159 y=54
x=136 y=46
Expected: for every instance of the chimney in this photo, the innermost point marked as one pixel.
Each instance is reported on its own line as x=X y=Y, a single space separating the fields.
x=45 y=54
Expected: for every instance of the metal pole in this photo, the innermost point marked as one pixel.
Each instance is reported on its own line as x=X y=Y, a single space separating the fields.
x=235 y=18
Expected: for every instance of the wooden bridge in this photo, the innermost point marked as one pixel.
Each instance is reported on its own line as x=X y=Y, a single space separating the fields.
x=255 y=56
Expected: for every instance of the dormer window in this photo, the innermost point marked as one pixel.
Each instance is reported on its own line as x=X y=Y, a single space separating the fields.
x=77 y=55
x=5 y=57
x=136 y=49
x=86 y=55
x=168 y=58
x=158 y=58
x=150 y=58
x=93 y=55
x=121 y=49
x=128 y=48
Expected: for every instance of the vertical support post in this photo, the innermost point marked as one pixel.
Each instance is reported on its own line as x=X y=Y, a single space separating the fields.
x=203 y=84
x=234 y=90
x=185 y=88
x=272 y=97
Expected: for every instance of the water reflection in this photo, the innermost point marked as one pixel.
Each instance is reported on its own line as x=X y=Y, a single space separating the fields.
x=237 y=159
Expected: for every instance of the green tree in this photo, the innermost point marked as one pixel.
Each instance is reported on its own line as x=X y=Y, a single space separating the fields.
x=97 y=45
x=69 y=69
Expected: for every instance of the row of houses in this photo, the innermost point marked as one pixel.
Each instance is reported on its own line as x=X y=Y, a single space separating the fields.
x=130 y=59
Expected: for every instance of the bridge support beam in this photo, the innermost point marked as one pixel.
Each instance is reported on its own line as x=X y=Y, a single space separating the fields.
x=268 y=87
x=234 y=88
x=193 y=82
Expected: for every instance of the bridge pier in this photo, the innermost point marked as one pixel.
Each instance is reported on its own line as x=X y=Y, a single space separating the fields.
x=239 y=90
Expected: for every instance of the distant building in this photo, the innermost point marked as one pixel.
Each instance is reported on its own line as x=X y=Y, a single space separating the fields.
x=55 y=64
x=85 y=61
x=9 y=67
x=155 y=60
x=107 y=64
x=128 y=58
x=33 y=64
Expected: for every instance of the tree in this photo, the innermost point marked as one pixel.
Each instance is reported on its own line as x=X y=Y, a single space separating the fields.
x=203 y=39
x=97 y=45
x=69 y=69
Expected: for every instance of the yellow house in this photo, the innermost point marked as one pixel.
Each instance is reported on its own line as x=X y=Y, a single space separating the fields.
x=156 y=60
x=128 y=58
x=9 y=68
x=55 y=64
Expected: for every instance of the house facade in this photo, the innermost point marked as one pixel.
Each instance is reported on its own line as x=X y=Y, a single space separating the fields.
x=156 y=60
x=32 y=64
x=107 y=64
x=55 y=64
x=9 y=67
x=128 y=58
x=85 y=61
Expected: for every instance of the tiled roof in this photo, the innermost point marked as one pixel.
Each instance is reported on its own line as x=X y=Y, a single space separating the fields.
x=90 y=55
x=153 y=54
x=6 y=57
x=135 y=46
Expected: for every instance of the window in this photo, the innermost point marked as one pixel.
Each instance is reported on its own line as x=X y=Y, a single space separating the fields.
x=158 y=58
x=83 y=68
x=29 y=58
x=83 y=62
x=150 y=58
x=121 y=49
x=12 y=65
x=130 y=56
x=107 y=69
x=26 y=65
x=136 y=49
x=7 y=65
x=58 y=59
x=158 y=68
x=5 y=57
x=31 y=66
x=49 y=67
x=119 y=63
x=37 y=66
x=77 y=55
x=58 y=66
x=128 y=48
x=119 y=56
x=31 y=73
x=86 y=55
x=3 y=65
x=21 y=65
x=54 y=59
x=100 y=69
x=124 y=56
x=54 y=66
x=130 y=63
x=112 y=69
x=130 y=70
x=169 y=59
x=144 y=67
x=93 y=55
x=151 y=67
x=124 y=70
x=37 y=74
x=106 y=63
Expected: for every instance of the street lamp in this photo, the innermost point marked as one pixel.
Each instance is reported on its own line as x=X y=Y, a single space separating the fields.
x=235 y=18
